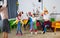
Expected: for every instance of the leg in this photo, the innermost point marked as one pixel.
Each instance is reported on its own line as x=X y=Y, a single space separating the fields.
x=31 y=27
x=35 y=31
x=44 y=29
x=20 y=31
x=6 y=28
x=24 y=27
x=42 y=25
x=18 y=27
x=5 y=35
x=17 y=31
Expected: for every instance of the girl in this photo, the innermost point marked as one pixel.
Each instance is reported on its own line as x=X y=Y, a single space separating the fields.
x=46 y=19
x=33 y=27
x=18 y=25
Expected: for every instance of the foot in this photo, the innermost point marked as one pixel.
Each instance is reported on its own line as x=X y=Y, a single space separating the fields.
x=20 y=34
x=36 y=33
x=17 y=34
x=31 y=33
x=43 y=32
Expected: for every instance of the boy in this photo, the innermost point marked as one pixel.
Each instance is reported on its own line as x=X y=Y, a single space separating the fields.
x=4 y=16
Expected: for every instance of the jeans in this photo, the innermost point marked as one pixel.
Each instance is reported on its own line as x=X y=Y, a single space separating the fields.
x=46 y=24
x=19 y=28
x=31 y=25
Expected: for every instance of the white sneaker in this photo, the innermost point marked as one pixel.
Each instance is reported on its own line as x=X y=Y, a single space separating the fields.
x=31 y=33
x=36 y=33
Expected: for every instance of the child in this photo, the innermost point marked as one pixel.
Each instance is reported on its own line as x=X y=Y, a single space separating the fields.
x=18 y=25
x=4 y=17
x=25 y=19
x=33 y=24
x=46 y=20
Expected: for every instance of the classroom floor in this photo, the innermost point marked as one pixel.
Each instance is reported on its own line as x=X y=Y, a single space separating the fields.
x=26 y=34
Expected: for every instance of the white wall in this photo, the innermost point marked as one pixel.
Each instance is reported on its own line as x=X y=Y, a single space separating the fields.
x=50 y=3
x=27 y=5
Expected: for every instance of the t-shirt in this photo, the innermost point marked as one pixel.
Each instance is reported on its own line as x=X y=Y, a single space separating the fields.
x=46 y=17
x=33 y=19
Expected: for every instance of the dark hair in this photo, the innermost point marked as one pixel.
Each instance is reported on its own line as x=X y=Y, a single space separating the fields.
x=18 y=15
x=22 y=12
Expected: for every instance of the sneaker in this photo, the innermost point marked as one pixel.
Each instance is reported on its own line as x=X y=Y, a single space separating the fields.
x=17 y=34
x=43 y=32
x=20 y=34
x=36 y=33
x=31 y=33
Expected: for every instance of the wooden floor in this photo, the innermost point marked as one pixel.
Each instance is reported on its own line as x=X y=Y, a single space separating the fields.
x=26 y=34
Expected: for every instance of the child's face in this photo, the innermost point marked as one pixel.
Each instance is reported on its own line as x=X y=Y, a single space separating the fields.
x=45 y=12
x=32 y=15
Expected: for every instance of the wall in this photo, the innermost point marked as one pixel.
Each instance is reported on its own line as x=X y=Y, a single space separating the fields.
x=49 y=5
x=28 y=5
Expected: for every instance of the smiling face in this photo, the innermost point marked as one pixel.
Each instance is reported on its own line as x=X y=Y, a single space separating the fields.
x=45 y=12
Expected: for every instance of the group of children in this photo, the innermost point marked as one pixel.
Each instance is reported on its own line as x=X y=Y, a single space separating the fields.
x=22 y=19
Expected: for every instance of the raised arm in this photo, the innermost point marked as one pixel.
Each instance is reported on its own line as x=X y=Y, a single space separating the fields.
x=5 y=3
x=3 y=6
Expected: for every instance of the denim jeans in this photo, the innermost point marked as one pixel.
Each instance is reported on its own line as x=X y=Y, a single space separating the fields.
x=31 y=25
x=45 y=25
x=19 y=28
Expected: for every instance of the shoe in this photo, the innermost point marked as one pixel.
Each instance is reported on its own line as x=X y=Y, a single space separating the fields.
x=20 y=34
x=17 y=34
x=43 y=32
x=31 y=33
x=36 y=33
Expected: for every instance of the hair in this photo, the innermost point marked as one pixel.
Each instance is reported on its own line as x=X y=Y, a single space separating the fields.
x=17 y=15
x=22 y=12
x=34 y=14
x=45 y=11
